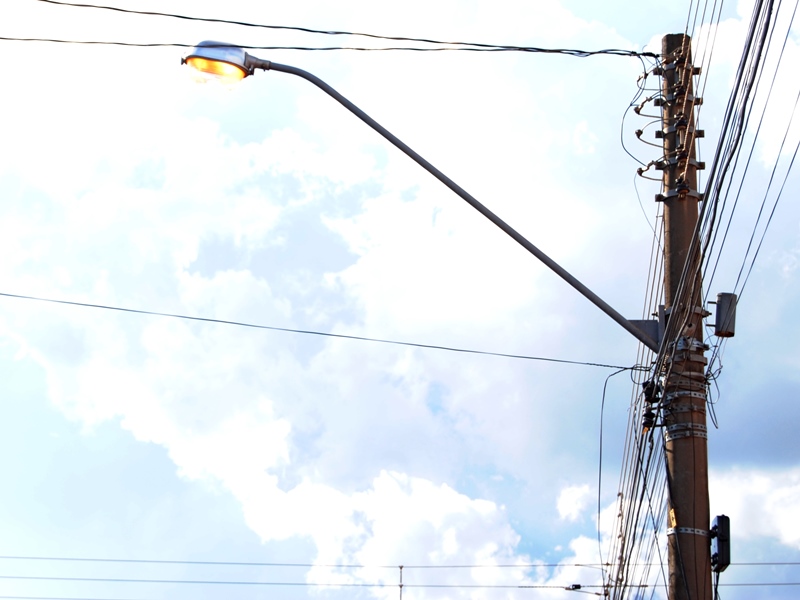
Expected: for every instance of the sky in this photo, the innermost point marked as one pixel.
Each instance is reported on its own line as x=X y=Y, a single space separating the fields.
x=124 y=182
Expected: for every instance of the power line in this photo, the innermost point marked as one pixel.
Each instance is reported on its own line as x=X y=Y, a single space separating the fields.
x=600 y=468
x=766 y=109
x=312 y=332
x=227 y=563
x=556 y=587
x=530 y=49
x=481 y=586
x=475 y=46
x=298 y=565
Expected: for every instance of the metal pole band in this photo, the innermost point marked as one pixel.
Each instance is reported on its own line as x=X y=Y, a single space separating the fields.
x=685 y=430
x=670 y=396
x=690 y=385
x=684 y=356
x=689 y=530
x=696 y=375
x=679 y=426
x=698 y=310
x=684 y=408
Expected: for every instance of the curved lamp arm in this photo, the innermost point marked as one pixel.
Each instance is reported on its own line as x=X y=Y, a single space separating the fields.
x=214 y=53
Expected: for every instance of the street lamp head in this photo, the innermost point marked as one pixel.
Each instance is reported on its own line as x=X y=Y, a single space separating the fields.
x=223 y=61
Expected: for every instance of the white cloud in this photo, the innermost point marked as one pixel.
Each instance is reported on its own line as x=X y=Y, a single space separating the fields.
x=583 y=139
x=572 y=501
x=760 y=502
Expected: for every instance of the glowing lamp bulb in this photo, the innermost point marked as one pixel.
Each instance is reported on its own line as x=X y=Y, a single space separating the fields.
x=225 y=72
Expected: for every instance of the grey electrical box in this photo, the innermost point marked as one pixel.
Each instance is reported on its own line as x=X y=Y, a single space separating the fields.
x=725 y=323
x=720 y=543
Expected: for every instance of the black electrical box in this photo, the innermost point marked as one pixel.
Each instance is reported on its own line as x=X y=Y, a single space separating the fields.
x=720 y=543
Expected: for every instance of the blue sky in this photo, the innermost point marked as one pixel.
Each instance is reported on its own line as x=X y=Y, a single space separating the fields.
x=124 y=182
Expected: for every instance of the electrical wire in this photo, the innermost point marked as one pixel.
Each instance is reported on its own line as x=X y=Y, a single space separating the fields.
x=750 y=157
x=769 y=220
x=311 y=332
x=641 y=89
x=551 y=587
x=532 y=565
x=641 y=205
x=229 y=563
x=718 y=249
x=771 y=179
x=311 y=584
x=575 y=589
x=631 y=559
x=466 y=45
x=479 y=48
x=600 y=468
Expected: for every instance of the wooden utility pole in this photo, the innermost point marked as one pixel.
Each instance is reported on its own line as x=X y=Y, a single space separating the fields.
x=684 y=394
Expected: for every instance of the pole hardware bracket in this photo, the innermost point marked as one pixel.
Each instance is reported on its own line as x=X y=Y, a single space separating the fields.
x=660 y=165
x=689 y=530
x=691 y=344
x=650 y=327
x=660 y=133
x=671 y=66
x=682 y=194
x=698 y=310
x=670 y=98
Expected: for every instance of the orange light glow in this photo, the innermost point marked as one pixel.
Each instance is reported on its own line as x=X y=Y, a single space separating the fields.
x=226 y=72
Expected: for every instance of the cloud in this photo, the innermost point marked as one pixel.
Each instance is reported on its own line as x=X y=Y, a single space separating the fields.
x=572 y=501
x=760 y=502
x=583 y=139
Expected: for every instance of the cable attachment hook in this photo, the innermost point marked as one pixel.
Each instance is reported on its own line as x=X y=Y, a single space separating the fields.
x=638 y=109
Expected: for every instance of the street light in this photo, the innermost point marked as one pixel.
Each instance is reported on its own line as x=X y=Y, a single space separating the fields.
x=231 y=63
